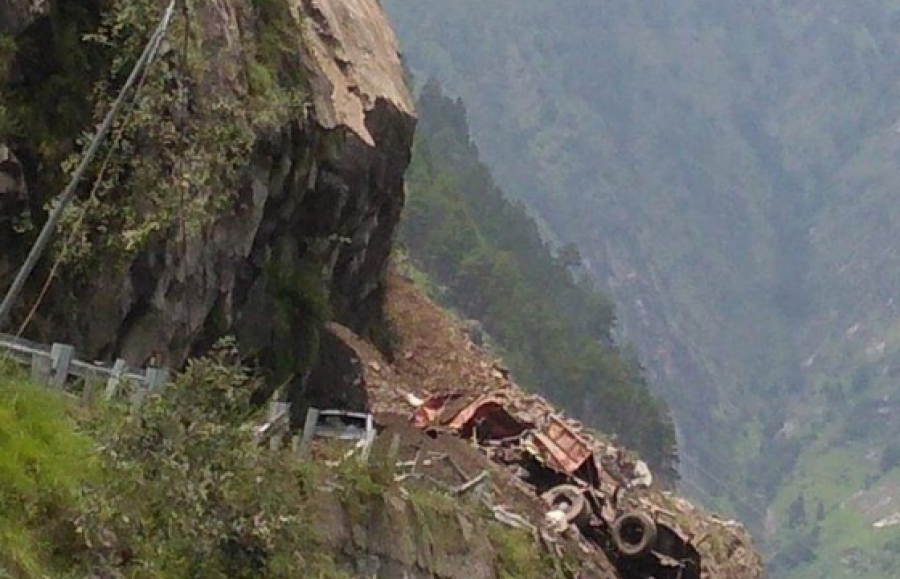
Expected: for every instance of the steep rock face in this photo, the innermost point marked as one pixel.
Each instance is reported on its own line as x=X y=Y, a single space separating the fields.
x=393 y=541
x=326 y=185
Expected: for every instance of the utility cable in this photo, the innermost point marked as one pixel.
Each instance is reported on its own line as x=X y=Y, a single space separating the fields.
x=70 y=239
x=40 y=245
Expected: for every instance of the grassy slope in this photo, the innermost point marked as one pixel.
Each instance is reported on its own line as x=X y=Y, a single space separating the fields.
x=44 y=463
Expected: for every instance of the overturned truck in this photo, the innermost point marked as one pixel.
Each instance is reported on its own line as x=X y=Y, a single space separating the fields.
x=580 y=488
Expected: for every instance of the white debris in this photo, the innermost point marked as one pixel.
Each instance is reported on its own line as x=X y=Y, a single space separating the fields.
x=643 y=478
x=556 y=521
x=414 y=400
x=891 y=521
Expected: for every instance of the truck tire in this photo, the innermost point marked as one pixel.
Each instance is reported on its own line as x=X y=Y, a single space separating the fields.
x=570 y=500
x=634 y=533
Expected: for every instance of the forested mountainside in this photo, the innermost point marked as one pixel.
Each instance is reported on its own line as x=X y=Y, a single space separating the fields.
x=728 y=170
x=489 y=261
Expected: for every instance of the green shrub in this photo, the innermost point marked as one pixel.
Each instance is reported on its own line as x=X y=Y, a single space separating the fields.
x=302 y=306
x=519 y=558
x=190 y=494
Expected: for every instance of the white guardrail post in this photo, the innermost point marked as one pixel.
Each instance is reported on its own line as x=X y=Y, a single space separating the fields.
x=115 y=379
x=61 y=356
x=53 y=366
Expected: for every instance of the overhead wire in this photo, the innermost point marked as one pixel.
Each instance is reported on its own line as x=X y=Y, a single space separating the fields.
x=71 y=189
x=142 y=68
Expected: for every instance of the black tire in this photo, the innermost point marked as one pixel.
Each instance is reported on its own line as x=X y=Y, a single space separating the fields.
x=634 y=533
x=569 y=499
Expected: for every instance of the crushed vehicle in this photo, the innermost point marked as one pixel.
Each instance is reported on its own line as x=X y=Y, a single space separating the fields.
x=579 y=488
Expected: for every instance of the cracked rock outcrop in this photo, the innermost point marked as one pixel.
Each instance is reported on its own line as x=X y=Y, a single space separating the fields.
x=327 y=183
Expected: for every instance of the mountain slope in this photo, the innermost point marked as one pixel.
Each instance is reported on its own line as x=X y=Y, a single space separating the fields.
x=491 y=263
x=728 y=170
x=576 y=116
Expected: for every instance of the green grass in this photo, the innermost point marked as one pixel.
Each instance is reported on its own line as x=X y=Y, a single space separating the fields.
x=832 y=474
x=44 y=462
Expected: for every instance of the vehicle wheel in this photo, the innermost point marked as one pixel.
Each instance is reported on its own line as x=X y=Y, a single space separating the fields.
x=570 y=500
x=634 y=533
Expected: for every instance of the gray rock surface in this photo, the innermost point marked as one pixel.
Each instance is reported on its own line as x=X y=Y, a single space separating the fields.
x=12 y=178
x=326 y=184
x=15 y=15
x=392 y=541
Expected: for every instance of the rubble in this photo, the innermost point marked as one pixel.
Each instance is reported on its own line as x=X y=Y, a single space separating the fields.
x=581 y=495
x=435 y=358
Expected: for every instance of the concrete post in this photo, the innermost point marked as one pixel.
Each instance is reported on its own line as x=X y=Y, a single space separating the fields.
x=61 y=356
x=115 y=380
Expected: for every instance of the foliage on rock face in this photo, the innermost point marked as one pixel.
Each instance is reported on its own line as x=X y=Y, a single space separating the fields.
x=555 y=329
x=7 y=50
x=302 y=306
x=183 y=145
x=174 y=159
x=44 y=464
x=47 y=77
x=518 y=559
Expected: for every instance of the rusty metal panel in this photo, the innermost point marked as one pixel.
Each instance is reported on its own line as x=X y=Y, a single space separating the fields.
x=564 y=450
x=489 y=415
x=429 y=412
x=467 y=413
x=462 y=414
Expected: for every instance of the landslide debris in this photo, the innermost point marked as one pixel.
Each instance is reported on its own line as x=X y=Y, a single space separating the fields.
x=434 y=353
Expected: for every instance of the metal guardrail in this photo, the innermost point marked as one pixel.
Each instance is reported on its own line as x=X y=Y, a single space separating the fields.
x=54 y=366
x=351 y=427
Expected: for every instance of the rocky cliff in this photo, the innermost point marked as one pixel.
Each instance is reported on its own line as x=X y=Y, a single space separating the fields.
x=321 y=182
